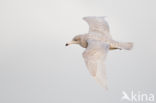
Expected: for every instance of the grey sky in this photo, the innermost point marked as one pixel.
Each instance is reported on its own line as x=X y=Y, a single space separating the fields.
x=36 y=67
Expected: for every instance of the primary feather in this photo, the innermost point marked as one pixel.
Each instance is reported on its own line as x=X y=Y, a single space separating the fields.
x=94 y=57
x=98 y=25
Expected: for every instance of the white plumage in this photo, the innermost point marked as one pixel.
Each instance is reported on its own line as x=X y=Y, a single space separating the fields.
x=98 y=42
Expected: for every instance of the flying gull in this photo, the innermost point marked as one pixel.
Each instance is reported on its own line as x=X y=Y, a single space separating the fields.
x=98 y=42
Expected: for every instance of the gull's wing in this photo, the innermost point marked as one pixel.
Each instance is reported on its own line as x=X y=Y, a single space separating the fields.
x=94 y=57
x=98 y=25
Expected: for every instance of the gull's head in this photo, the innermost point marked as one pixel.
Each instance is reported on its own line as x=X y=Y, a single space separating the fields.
x=75 y=40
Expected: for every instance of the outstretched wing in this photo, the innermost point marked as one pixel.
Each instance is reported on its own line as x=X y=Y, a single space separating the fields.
x=94 y=57
x=98 y=25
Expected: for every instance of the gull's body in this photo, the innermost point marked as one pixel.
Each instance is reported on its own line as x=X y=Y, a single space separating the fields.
x=97 y=42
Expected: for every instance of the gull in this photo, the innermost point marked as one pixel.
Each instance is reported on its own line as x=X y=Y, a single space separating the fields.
x=98 y=42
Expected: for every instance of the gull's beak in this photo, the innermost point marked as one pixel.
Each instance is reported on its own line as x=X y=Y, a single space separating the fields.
x=72 y=42
x=66 y=44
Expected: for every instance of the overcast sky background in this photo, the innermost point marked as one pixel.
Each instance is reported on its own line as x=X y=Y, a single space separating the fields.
x=36 y=67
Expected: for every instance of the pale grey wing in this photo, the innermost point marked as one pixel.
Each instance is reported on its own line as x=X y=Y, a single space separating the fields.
x=94 y=57
x=98 y=25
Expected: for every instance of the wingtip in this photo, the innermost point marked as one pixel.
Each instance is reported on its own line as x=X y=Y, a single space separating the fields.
x=102 y=84
x=97 y=18
x=106 y=88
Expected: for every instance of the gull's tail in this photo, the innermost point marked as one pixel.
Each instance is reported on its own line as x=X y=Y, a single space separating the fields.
x=126 y=45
